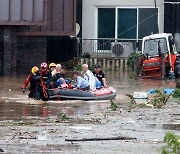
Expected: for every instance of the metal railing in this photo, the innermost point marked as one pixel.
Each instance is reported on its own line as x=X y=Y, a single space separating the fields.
x=108 y=47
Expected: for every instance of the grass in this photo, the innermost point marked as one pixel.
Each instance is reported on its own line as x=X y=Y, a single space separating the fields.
x=21 y=123
x=62 y=117
x=172 y=144
x=113 y=106
x=176 y=94
x=160 y=99
x=132 y=61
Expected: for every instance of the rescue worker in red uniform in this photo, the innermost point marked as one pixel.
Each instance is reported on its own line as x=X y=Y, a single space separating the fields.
x=32 y=82
x=42 y=78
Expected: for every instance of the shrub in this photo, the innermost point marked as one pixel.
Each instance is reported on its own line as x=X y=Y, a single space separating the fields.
x=173 y=144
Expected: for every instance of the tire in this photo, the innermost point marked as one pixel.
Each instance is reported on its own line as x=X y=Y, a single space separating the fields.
x=177 y=67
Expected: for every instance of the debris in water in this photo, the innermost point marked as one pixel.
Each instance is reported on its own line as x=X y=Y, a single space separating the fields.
x=132 y=98
x=62 y=117
x=42 y=136
x=100 y=139
x=140 y=95
x=85 y=128
x=155 y=141
x=27 y=138
x=21 y=123
x=168 y=91
x=159 y=100
x=171 y=126
x=113 y=106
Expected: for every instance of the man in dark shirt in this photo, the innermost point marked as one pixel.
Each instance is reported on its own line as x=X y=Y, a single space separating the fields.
x=100 y=74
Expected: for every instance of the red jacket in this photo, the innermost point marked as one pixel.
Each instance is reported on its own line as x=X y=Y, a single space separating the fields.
x=32 y=82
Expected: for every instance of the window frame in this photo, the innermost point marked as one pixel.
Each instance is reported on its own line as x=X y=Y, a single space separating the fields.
x=116 y=18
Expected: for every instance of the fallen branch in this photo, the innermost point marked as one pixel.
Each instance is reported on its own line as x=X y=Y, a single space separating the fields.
x=22 y=137
x=132 y=98
x=100 y=139
x=15 y=134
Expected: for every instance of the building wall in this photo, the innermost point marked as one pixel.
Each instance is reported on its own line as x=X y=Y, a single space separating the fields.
x=60 y=20
x=31 y=51
x=8 y=50
x=22 y=12
x=30 y=23
x=89 y=17
x=47 y=17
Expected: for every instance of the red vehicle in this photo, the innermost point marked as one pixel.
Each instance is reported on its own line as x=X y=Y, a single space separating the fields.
x=159 y=57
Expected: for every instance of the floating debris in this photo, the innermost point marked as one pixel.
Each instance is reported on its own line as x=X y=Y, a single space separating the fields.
x=100 y=139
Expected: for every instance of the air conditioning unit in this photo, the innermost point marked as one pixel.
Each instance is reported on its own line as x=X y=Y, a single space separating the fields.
x=121 y=49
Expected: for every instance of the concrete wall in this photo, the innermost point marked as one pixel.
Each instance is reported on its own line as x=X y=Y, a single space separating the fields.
x=89 y=18
x=20 y=54
x=31 y=51
x=8 y=50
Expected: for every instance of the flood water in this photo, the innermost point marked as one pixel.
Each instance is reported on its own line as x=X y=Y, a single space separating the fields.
x=29 y=126
x=14 y=105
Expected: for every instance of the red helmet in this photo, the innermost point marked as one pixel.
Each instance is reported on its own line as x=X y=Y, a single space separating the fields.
x=44 y=65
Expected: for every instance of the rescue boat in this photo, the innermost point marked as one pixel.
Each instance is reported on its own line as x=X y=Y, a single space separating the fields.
x=65 y=93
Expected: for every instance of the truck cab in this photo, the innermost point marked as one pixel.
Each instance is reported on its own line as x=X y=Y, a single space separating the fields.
x=159 y=56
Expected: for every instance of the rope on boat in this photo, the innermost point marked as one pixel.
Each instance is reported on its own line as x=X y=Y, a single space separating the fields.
x=59 y=99
x=44 y=90
x=43 y=87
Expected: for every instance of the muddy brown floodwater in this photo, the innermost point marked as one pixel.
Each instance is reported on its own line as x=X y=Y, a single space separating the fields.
x=29 y=126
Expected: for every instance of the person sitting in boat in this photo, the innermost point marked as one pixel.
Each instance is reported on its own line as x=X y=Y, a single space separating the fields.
x=100 y=74
x=58 y=77
x=88 y=76
x=52 y=68
x=63 y=73
x=98 y=83
x=80 y=83
x=42 y=78
x=32 y=82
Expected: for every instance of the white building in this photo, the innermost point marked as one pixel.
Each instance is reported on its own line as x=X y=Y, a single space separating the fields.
x=122 y=19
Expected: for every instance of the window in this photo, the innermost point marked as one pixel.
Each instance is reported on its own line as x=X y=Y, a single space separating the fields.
x=127 y=23
x=106 y=23
x=147 y=22
x=152 y=46
x=106 y=26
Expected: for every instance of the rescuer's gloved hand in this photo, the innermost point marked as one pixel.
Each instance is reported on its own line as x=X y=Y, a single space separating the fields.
x=23 y=90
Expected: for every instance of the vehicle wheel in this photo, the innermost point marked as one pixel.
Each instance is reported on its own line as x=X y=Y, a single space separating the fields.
x=177 y=67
